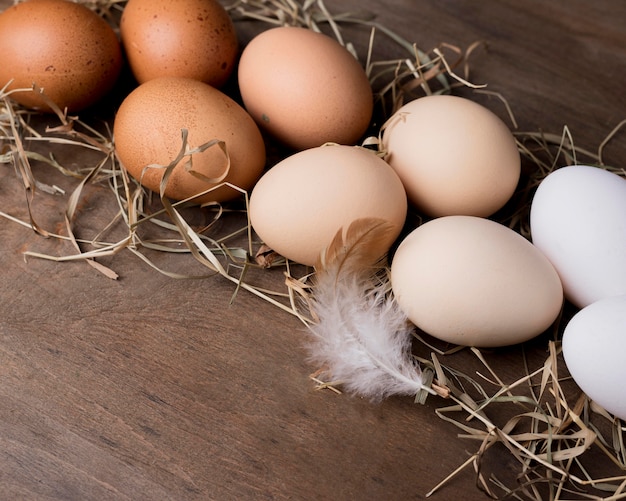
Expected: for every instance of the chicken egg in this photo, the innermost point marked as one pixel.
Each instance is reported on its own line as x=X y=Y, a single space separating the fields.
x=63 y=48
x=186 y=38
x=304 y=88
x=593 y=349
x=454 y=156
x=299 y=204
x=578 y=220
x=147 y=130
x=471 y=281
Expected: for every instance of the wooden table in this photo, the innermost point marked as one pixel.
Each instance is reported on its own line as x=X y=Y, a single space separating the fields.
x=153 y=388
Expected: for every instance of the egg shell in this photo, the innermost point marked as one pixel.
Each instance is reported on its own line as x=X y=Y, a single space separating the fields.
x=471 y=281
x=147 y=130
x=64 y=48
x=304 y=88
x=578 y=220
x=594 y=343
x=454 y=156
x=186 y=38
x=298 y=205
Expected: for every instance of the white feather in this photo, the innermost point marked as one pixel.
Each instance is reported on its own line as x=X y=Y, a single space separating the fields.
x=361 y=334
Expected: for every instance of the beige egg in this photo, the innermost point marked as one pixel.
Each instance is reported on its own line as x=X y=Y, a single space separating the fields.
x=471 y=281
x=62 y=47
x=186 y=38
x=304 y=88
x=298 y=205
x=454 y=156
x=148 y=128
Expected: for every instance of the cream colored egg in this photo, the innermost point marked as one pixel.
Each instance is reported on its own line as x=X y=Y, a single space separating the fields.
x=454 y=156
x=304 y=88
x=471 y=281
x=298 y=206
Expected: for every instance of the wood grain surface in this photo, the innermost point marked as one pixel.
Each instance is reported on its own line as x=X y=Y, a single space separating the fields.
x=149 y=388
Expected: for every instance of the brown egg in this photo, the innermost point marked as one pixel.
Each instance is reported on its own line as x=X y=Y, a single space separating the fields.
x=147 y=130
x=186 y=38
x=62 y=47
x=299 y=204
x=454 y=156
x=304 y=88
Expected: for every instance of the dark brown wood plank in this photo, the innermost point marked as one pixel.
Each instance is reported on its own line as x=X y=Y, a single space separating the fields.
x=151 y=388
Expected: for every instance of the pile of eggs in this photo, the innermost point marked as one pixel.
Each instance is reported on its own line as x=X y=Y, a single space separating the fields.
x=460 y=276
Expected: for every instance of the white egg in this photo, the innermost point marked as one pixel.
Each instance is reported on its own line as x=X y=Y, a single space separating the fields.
x=578 y=220
x=594 y=343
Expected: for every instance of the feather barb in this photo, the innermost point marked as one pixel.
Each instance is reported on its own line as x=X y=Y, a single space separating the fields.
x=362 y=246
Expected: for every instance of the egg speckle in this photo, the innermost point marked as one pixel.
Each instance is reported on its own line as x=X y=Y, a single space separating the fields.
x=63 y=48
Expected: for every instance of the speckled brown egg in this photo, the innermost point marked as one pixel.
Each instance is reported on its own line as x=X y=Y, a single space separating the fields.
x=305 y=88
x=62 y=47
x=148 y=131
x=186 y=38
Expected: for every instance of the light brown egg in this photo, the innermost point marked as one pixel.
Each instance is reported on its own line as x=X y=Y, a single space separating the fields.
x=298 y=205
x=147 y=130
x=471 y=281
x=62 y=47
x=184 y=38
x=454 y=156
x=304 y=88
